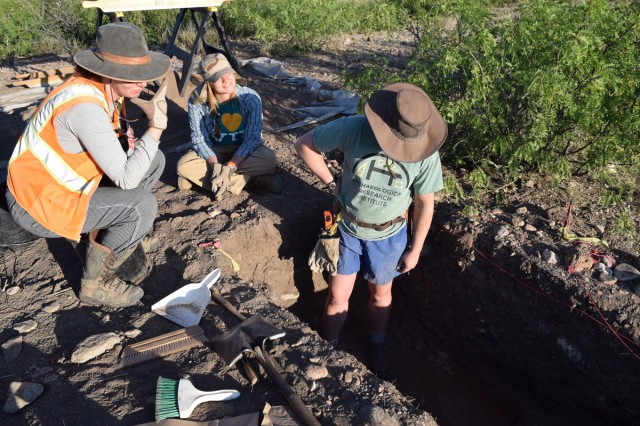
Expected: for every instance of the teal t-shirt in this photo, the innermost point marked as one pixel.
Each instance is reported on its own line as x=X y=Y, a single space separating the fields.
x=374 y=188
x=229 y=129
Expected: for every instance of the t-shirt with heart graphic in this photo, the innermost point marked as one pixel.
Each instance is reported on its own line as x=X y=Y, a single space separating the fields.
x=231 y=124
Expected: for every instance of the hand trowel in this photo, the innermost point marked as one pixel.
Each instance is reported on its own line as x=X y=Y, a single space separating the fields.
x=186 y=305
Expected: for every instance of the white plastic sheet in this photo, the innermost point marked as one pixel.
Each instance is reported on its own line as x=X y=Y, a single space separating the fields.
x=330 y=102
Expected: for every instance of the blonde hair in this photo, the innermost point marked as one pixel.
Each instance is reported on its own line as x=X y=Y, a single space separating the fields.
x=213 y=101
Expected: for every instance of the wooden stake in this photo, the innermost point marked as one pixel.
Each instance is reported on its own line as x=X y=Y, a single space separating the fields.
x=43 y=81
x=48 y=73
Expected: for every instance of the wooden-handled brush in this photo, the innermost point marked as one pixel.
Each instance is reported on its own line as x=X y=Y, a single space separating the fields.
x=163 y=345
x=178 y=398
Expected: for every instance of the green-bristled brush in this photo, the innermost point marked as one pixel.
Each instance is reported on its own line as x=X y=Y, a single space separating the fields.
x=178 y=398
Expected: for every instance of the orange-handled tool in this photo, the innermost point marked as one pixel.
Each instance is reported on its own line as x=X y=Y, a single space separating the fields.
x=327 y=217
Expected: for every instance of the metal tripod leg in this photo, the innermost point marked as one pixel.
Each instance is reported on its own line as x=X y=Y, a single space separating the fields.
x=174 y=34
x=223 y=40
x=187 y=67
x=188 y=58
x=113 y=17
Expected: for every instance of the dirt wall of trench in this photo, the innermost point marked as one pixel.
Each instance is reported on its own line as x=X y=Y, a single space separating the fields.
x=483 y=328
x=525 y=332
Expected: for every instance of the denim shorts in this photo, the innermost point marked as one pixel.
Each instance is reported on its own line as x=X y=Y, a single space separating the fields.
x=378 y=259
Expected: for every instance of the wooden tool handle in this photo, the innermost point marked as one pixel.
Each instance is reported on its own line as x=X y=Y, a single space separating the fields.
x=251 y=373
x=299 y=408
x=296 y=403
x=228 y=306
x=253 y=377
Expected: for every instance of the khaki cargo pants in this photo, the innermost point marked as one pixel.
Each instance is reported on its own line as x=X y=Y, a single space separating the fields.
x=194 y=170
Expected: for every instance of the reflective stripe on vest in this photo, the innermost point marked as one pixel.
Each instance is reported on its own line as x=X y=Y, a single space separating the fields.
x=31 y=140
x=55 y=187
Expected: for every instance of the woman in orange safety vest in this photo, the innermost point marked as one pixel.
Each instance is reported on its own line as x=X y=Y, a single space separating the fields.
x=77 y=172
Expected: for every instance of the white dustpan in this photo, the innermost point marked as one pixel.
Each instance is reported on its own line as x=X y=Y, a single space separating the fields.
x=186 y=305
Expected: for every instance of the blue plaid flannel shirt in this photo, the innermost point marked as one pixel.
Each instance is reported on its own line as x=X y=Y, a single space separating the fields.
x=202 y=123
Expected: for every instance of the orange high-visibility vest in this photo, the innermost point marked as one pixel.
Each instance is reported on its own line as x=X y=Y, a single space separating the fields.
x=53 y=186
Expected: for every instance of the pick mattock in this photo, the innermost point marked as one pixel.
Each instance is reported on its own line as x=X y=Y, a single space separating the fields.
x=249 y=337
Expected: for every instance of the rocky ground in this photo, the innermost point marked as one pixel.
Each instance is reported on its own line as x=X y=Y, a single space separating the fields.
x=493 y=326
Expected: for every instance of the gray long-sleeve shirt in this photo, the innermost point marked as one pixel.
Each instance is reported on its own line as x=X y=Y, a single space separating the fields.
x=87 y=127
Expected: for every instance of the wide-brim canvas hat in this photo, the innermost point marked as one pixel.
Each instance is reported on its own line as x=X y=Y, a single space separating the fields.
x=121 y=53
x=215 y=65
x=405 y=122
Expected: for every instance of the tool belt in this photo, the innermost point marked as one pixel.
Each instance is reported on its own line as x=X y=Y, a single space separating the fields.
x=337 y=208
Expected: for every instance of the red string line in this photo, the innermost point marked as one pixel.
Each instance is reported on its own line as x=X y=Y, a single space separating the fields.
x=595 y=256
x=603 y=323
x=619 y=336
x=567 y=220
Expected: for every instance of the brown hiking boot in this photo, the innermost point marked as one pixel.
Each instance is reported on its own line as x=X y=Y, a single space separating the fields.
x=99 y=284
x=271 y=183
x=133 y=266
x=111 y=292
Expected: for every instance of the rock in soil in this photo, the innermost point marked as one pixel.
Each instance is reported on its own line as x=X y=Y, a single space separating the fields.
x=20 y=395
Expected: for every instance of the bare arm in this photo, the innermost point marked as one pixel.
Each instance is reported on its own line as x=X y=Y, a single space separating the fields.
x=313 y=158
x=422 y=216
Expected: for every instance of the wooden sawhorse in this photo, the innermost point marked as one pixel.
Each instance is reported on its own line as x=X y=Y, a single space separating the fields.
x=205 y=8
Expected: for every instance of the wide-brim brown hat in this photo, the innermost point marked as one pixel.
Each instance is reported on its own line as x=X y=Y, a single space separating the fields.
x=121 y=53
x=215 y=65
x=406 y=123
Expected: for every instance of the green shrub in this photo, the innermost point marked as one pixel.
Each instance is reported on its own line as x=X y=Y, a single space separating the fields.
x=157 y=24
x=554 y=87
x=623 y=224
x=282 y=26
x=452 y=190
x=36 y=27
x=67 y=24
x=18 y=28
x=616 y=190
x=285 y=26
x=478 y=179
